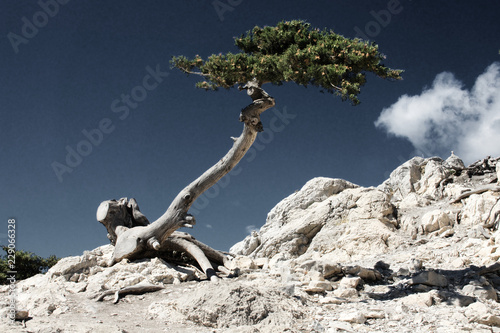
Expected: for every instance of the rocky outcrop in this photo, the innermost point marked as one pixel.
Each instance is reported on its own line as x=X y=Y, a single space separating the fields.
x=331 y=257
x=340 y=220
x=360 y=220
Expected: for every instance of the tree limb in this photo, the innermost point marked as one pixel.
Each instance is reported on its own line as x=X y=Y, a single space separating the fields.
x=476 y=191
x=139 y=288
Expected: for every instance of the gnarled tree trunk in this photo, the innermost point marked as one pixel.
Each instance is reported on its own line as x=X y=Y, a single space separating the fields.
x=132 y=234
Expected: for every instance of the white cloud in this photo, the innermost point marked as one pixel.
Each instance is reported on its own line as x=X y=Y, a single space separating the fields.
x=209 y=226
x=447 y=117
x=250 y=228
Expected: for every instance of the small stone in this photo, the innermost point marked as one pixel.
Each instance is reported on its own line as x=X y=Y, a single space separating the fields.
x=350 y=282
x=332 y=300
x=353 y=317
x=460 y=262
x=341 y=325
x=487 y=251
x=319 y=286
x=480 y=313
x=415 y=265
x=422 y=300
x=346 y=293
x=261 y=262
x=289 y=289
x=22 y=315
x=375 y=314
x=330 y=270
x=482 y=292
x=430 y=278
x=241 y=262
x=74 y=277
x=315 y=276
x=434 y=220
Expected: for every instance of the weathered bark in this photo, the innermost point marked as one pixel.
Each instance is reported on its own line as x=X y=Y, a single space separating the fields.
x=132 y=234
x=479 y=190
x=140 y=288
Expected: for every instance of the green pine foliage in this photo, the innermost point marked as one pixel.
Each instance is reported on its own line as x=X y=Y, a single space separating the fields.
x=293 y=51
x=26 y=264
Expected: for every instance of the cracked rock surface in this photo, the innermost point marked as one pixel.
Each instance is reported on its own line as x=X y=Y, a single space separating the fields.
x=418 y=253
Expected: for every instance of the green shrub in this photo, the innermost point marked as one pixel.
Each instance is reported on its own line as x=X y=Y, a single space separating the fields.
x=25 y=264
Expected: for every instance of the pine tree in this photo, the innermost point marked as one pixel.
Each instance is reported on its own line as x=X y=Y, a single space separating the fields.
x=289 y=52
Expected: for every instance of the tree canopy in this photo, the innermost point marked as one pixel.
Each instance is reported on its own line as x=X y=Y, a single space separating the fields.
x=293 y=51
x=26 y=264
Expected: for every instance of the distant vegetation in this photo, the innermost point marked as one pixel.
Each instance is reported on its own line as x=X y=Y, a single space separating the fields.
x=25 y=264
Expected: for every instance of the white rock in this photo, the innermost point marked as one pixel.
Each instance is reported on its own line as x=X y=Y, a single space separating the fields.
x=241 y=262
x=477 y=208
x=353 y=317
x=454 y=162
x=420 y=299
x=293 y=222
x=375 y=314
x=480 y=313
x=434 y=173
x=345 y=292
x=261 y=262
x=402 y=179
x=434 y=220
x=327 y=216
x=460 y=262
x=247 y=245
x=319 y=286
x=430 y=278
x=481 y=291
x=413 y=200
x=350 y=282
x=332 y=300
x=70 y=265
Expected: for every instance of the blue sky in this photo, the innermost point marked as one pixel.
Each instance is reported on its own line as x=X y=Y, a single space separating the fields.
x=93 y=79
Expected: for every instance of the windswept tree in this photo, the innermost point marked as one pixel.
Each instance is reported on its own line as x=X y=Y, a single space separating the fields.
x=292 y=51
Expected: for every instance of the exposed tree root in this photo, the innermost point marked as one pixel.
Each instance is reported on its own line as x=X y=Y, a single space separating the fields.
x=480 y=190
x=137 y=289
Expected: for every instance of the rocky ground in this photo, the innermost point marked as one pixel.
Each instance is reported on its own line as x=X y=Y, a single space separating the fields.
x=419 y=253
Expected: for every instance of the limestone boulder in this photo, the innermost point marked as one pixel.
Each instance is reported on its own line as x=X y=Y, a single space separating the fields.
x=326 y=216
x=247 y=245
x=424 y=177
x=455 y=163
x=434 y=173
x=293 y=222
x=481 y=209
x=401 y=181
x=360 y=224
x=434 y=220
